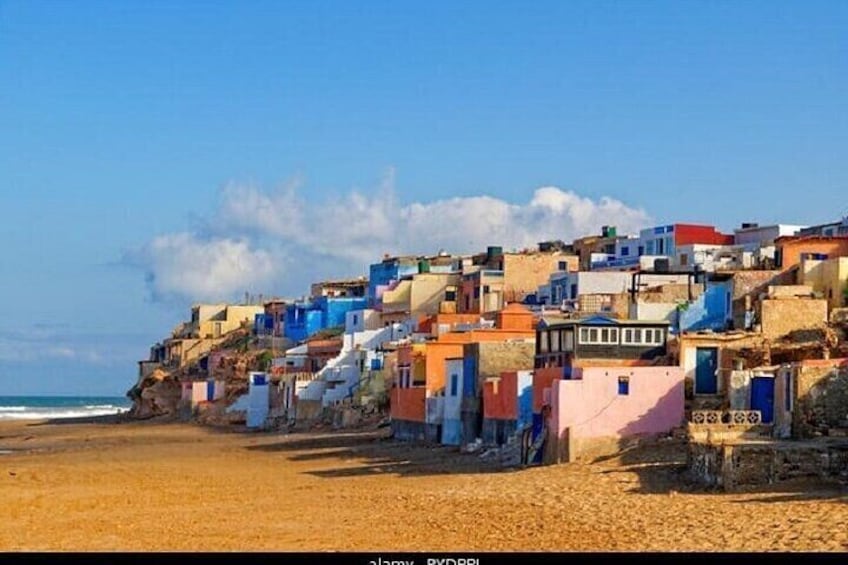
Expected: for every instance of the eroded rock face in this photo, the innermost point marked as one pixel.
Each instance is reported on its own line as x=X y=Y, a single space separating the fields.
x=159 y=398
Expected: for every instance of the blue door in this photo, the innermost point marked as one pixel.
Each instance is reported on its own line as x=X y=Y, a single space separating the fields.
x=762 y=397
x=210 y=390
x=706 y=363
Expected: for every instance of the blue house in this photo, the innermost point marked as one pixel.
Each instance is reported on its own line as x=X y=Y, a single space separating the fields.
x=308 y=318
x=713 y=310
x=263 y=324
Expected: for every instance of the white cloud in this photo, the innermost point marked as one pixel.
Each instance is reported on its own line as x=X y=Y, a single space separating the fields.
x=184 y=264
x=254 y=232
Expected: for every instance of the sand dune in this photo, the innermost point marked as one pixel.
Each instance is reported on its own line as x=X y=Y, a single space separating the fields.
x=148 y=486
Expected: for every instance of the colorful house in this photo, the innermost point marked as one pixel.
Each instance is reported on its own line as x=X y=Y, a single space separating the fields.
x=792 y=250
x=452 y=368
x=507 y=406
x=828 y=277
x=661 y=241
x=562 y=343
x=307 y=318
x=258 y=403
x=344 y=288
x=208 y=390
x=385 y=273
x=422 y=294
x=502 y=277
x=565 y=345
x=600 y=409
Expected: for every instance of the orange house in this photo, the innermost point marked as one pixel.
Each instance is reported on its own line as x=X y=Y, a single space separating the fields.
x=499 y=397
x=421 y=366
x=791 y=249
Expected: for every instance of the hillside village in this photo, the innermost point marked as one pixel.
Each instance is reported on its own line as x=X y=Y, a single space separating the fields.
x=570 y=350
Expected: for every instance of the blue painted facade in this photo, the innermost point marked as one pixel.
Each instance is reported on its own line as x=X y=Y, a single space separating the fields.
x=525 y=400
x=263 y=324
x=712 y=310
x=305 y=319
x=451 y=432
x=384 y=273
x=302 y=321
x=335 y=309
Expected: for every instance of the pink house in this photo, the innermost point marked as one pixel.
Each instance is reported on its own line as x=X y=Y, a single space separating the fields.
x=601 y=406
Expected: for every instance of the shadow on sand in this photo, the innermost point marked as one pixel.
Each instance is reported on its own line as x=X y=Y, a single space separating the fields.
x=104 y=419
x=378 y=455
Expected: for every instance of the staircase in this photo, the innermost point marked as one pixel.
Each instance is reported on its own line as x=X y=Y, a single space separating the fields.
x=342 y=375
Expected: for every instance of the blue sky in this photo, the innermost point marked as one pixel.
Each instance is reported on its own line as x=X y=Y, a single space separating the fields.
x=135 y=132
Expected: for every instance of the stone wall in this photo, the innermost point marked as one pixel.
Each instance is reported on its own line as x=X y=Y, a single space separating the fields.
x=731 y=466
x=498 y=357
x=780 y=317
x=821 y=400
x=748 y=285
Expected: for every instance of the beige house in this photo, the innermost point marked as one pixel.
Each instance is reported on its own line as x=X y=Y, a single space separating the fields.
x=829 y=278
x=215 y=320
x=422 y=294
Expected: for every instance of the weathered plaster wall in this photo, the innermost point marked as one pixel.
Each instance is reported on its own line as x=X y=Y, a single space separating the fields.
x=781 y=316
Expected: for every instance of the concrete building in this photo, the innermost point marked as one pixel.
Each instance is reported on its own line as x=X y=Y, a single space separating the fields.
x=304 y=319
x=563 y=343
x=600 y=409
x=385 y=273
x=752 y=235
x=455 y=365
x=343 y=288
x=827 y=230
x=422 y=294
x=792 y=250
x=598 y=246
x=661 y=241
x=211 y=321
x=507 y=406
x=828 y=278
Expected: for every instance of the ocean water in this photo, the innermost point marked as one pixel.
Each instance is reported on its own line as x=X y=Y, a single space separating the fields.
x=41 y=407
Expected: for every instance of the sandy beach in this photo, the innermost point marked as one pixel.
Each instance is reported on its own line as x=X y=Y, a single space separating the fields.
x=156 y=486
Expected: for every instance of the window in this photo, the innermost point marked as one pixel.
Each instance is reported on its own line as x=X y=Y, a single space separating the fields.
x=485 y=289
x=355 y=319
x=599 y=336
x=641 y=250
x=543 y=342
x=660 y=246
x=625 y=250
x=555 y=341
x=643 y=336
x=574 y=291
x=568 y=341
x=450 y=296
x=684 y=259
x=476 y=292
x=624 y=386
x=563 y=265
x=454 y=384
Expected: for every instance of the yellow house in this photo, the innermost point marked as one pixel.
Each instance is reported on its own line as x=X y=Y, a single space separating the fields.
x=829 y=277
x=423 y=294
x=216 y=320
